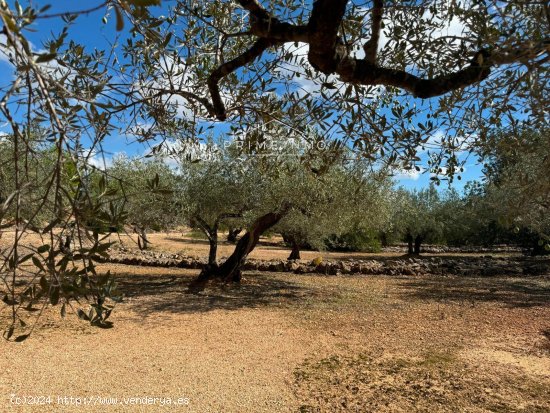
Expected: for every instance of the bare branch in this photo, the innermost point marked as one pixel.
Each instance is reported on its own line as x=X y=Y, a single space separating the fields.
x=371 y=46
x=247 y=57
x=359 y=71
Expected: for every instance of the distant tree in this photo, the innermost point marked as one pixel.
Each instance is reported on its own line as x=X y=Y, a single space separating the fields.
x=150 y=199
x=518 y=182
x=470 y=217
x=417 y=217
x=329 y=206
x=218 y=189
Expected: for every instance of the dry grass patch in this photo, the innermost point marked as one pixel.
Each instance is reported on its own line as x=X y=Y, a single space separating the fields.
x=433 y=382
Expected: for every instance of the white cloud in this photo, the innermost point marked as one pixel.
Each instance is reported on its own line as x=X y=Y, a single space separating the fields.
x=433 y=143
x=407 y=174
x=442 y=172
x=296 y=70
x=425 y=29
x=100 y=162
x=184 y=80
x=3 y=49
x=100 y=159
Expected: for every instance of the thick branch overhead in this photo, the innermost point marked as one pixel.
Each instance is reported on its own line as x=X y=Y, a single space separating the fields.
x=371 y=46
x=247 y=57
x=329 y=55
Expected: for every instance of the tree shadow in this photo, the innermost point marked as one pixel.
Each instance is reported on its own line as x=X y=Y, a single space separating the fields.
x=150 y=294
x=511 y=292
x=193 y=241
x=223 y=241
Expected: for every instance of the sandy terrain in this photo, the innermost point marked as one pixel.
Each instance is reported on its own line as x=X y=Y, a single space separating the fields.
x=287 y=343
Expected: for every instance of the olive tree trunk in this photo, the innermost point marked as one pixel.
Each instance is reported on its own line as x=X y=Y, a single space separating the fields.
x=417 y=242
x=143 y=242
x=230 y=270
x=212 y=253
x=295 y=252
x=410 y=241
x=211 y=232
x=233 y=233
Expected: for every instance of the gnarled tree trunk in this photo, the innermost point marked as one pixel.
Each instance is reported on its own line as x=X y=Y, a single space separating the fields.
x=295 y=252
x=143 y=242
x=211 y=232
x=213 y=241
x=230 y=270
x=233 y=233
x=384 y=239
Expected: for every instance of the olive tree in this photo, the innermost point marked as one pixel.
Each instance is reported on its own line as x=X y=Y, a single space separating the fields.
x=150 y=198
x=417 y=216
x=329 y=205
x=217 y=188
x=260 y=185
x=518 y=185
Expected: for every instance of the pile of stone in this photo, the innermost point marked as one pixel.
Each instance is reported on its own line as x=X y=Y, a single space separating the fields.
x=410 y=266
x=444 y=249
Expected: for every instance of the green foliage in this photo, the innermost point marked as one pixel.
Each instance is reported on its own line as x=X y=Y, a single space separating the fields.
x=150 y=192
x=349 y=199
x=418 y=214
x=382 y=121
x=518 y=183
x=357 y=240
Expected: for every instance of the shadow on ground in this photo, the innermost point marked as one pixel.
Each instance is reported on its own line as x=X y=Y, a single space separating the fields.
x=511 y=292
x=194 y=241
x=167 y=293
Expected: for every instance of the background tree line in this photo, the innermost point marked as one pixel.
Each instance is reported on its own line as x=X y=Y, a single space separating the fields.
x=351 y=207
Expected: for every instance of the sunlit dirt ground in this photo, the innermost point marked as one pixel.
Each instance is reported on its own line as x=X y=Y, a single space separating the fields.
x=288 y=343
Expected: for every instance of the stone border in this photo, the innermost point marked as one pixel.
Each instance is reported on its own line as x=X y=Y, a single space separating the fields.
x=410 y=266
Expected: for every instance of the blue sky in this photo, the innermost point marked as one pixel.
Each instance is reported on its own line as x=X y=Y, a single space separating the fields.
x=91 y=31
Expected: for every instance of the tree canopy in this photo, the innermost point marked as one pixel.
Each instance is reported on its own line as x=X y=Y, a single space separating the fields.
x=397 y=83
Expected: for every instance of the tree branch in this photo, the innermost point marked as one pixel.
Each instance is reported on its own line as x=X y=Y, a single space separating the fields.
x=205 y=227
x=229 y=215
x=520 y=52
x=192 y=96
x=255 y=9
x=225 y=69
x=328 y=54
x=325 y=51
x=274 y=29
x=371 y=46
x=359 y=71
